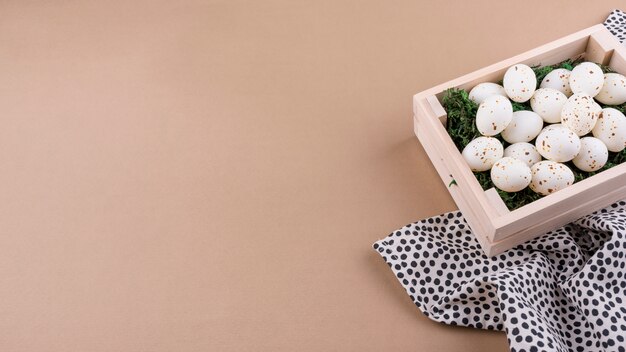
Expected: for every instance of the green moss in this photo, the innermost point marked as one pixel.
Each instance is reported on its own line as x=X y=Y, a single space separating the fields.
x=462 y=129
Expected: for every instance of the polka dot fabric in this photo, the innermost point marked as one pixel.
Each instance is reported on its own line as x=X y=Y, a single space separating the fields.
x=564 y=291
x=616 y=24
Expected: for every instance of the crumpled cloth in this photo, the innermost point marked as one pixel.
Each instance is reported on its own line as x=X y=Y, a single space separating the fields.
x=564 y=291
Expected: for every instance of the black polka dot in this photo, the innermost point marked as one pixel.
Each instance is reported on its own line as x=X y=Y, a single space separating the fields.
x=564 y=291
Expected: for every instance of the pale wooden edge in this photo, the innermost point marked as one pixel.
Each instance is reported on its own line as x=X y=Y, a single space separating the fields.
x=438 y=109
x=442 y=146
x=618 y=59
x=455 y=191
x=565 y=217
x=600 y=47
x=592 y=193
x=497 y=202
x=544 y=54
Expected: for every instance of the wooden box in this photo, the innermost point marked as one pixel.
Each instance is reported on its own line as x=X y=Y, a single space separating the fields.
x=496 y=228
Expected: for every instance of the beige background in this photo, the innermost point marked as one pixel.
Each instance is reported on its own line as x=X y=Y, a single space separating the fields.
x=210 y=175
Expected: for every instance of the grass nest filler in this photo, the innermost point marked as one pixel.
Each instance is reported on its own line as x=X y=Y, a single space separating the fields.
x=462 y=129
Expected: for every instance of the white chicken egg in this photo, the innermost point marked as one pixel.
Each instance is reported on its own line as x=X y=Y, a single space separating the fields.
x=613 y=90
x=587 y=78
x=481 y=153
x=524 y=127
x=523 y=151
x=557 y=143
x=558 y=79
x=510 y=174
x=592 y=156
x=580 y=113
x=548 y=103
x=482 y=91
x=611 y=129
x=494 y=115
x=550 y=176
x=519 y=82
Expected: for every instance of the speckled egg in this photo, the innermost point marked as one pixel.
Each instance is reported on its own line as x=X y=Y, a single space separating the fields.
x=523 y=151
x=482 y=152
x=549 y=177
x=548 y=103
x=510 y=174
x=494 y=115
x=580 y=113
x=592 y=156
x=524 y=127
x=586 y=77
x=611 y=129
x=482 y=91
x=558 y=79
x=613 y=90
x=557 y=143
x=519 y=83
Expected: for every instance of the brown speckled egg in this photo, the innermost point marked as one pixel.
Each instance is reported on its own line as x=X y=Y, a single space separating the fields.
x=611 y=129
x=613 y=91
x=592 y=156
x=510 y=174
x=548 y=103
x=587 y=78
x=524 y=127
x=558 y=79
x=549 y=177
x=494 y=115
x=482 y=91
x=481 y=153
x=525 y=152
x=580 y=113
x=519 y=82
x=557 y=143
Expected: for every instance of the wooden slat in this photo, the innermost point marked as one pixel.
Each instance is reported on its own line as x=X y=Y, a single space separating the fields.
x=453 y=189
x=438 y=109
x=618 y=59
x=567 y=204
x=496 y=201
x=600 y=47
x=553 y=52
x=432 y=133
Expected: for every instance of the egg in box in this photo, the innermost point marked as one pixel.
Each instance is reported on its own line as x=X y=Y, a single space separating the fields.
x=523 y=127
x=586 y=140
x=548 y=103
x=523 y=151
x=541 y=134
x=558 y=79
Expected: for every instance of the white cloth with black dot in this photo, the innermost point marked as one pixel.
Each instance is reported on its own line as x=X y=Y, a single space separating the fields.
x=564 y=291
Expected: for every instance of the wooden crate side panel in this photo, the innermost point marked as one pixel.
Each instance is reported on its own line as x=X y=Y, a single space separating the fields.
x=434 y=137
x=600 y=47
x=566 y=216
x=496 y=201
x=555 y=55
x=447 y=149
x=582 y=197
x=567 y=47
x=618 y=59
x=459 y=198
